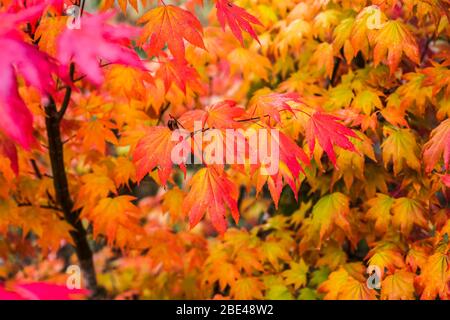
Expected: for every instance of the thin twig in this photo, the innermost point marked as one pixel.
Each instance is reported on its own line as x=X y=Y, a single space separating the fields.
x=42 y=206
x=161 y=112
x=84 y=76
x=67 y=95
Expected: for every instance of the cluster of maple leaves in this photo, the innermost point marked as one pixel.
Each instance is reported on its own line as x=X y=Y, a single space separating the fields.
x=359 y=91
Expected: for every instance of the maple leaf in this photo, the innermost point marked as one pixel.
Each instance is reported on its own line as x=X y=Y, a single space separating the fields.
x=417 y=257
x=380 y=211
x=278 y=291
x=366 y=100
x=237 y=18
x=173 y=200
x=435 y=275
x=342 y=285
x=127 y=81
x=220 y=115
x=247 y=288
x=249 y=63
x=21 y=59
x=85 y=47
x=169 y=25
x=218 y=269
x=154 y=150
x=249 y=260
x=95 y=186
x=400 y=146
x=392 y=40
x=134 y=3
x=181 y=74
x=274 y=252
x=406 y=213
x=291 y=158
x=124 y=171
x=56 y=231
x=398 y=286
x=333 y=256
x=123 y=4
x=111 y=215
x=297 y=274
x=323 y=58
x=331 y=210
x=39 y=291
x=328 y=132
x=386 y=255
x=270 y=105
x=210 y=191
x=96 y=133
x=438 y=145
x=48 y=32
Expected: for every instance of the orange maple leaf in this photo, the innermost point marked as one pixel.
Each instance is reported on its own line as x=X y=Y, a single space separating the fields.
x=111 y=216
x=169 y=25
x=392 y=40
x=154 y=150
x=221 y=115
x=181 y=74
x=210 y=191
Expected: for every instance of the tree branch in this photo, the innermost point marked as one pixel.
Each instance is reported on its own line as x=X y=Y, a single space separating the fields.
x=60 y=183
x=67 y=95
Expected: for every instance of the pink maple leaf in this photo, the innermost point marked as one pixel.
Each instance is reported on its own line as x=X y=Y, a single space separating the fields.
x=21 y=58
x=96 y=40
x=39 y=291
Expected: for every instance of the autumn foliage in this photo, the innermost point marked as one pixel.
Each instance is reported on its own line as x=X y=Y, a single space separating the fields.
x=359 y=92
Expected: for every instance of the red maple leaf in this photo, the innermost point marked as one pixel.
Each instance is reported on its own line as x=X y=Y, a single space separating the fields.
x=329 y=132
x=237 y=18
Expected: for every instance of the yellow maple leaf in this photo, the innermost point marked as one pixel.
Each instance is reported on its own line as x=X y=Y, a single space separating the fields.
x=393 y=40
x=406 y=213
x=401 y=148
x=398 y=286
x=435 y=275
x=247 y=288
x=296 y=274
x=342 y=284
x=331 y=210
x=380 y=211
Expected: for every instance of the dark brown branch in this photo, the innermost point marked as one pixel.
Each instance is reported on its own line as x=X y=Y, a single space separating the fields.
x=332 y=80
x=67 y=95
x=161 y=112
x=65 y=103
x=84 y=76
x=37 y=172
x=42 y=206
x=82 y=7
x=39 y=175
x=63 y=198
